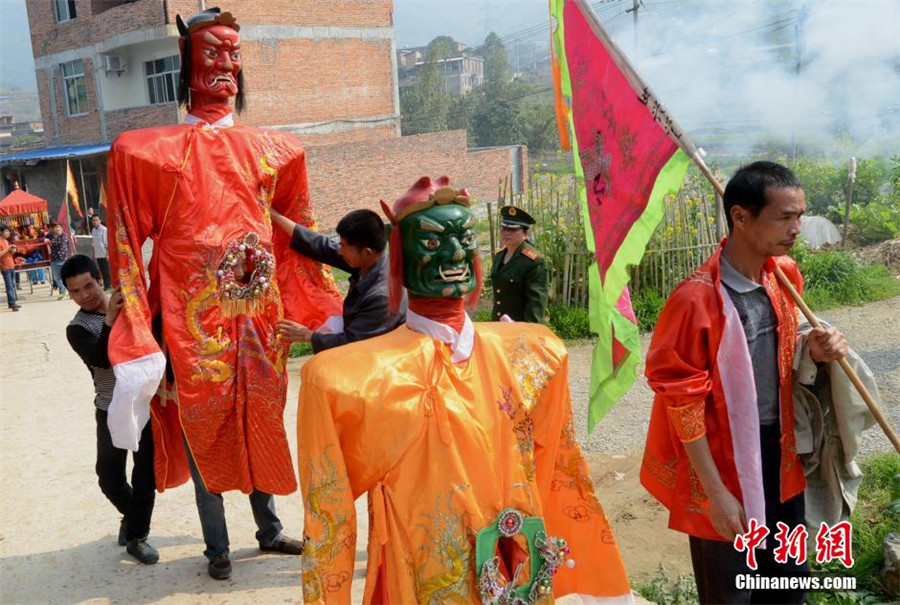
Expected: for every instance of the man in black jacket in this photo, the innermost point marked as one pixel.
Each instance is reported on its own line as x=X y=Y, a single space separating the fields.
x=88 y=334
x=361 y=253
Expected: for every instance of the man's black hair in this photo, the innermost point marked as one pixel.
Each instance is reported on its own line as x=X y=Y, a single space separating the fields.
x=747 y=188
x=184 y=80
x=4 y=227
x=79 y=265
x=363 y=229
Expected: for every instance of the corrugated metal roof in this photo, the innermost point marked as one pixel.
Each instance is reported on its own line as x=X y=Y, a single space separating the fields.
x=53 y=153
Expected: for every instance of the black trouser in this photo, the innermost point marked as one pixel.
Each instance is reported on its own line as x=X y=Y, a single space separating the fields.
x=134 y=501
x=717 y=564
x=103 y=263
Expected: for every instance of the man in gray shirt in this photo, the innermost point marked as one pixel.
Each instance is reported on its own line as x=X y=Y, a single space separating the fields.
x=88 y=334
x=761 y=329
x=361 y=253
x=101 y=249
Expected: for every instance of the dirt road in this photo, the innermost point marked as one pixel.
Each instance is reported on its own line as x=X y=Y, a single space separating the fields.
x=58 y=533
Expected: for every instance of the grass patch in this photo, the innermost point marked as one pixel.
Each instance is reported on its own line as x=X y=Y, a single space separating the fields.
x=665 y=590
x=300 y=349
x=648 y=304
x=876 y=515
x=481 y=315
x=569 y=323
x=833 y=278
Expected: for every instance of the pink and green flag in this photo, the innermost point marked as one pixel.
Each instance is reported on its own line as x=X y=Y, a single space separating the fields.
x=627 y=159
x=63 y=219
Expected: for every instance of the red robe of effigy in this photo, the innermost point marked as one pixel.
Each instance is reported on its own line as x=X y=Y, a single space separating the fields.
x=203 y=194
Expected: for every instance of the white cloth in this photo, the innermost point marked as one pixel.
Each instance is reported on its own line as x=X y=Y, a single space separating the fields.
x=129 y=411
x=225 y=122
x=99 y=241
x=333 y=325
x=461 y=343
x=830 y=416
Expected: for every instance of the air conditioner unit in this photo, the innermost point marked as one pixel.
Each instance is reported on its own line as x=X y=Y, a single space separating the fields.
x=114 y=63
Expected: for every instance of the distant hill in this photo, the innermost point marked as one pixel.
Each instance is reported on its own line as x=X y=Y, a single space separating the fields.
x=23 y=106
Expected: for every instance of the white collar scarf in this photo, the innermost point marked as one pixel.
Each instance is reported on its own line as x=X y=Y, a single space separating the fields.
x=224 y=122
x=461 y=343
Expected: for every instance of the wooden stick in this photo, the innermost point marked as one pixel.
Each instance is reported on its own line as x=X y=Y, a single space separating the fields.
x=490 y=213
x=870 y=402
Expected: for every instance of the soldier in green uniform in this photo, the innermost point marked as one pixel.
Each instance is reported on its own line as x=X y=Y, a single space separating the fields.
x=519 y=273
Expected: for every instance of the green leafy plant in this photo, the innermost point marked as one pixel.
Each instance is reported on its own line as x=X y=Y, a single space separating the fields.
x=871 y=223
x=833 y=278
x=872 y=520
x=648 y=304
x=665 y=590
x=300 y=349
x=569 y=323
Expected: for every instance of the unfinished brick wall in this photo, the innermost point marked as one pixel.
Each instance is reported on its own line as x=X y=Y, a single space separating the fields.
x=340 y=13
x=49 y=36
x=133 y=118
x=305 y=81
x=299 y=72
x=357 y=175
x=75 y=129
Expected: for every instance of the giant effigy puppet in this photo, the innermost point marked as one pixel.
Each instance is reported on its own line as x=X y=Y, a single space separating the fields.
x=461 y=436
x=219 y=278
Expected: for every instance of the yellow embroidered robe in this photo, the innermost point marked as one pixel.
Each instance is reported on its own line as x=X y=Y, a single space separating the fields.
x=442 y=449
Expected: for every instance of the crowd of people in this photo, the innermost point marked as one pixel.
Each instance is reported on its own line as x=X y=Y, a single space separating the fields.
x=37 y=244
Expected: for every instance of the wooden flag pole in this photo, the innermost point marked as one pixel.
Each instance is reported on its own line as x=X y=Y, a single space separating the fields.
x=679 y=136
x=867 y=397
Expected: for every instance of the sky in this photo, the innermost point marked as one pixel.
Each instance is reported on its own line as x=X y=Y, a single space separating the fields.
x=714 y=63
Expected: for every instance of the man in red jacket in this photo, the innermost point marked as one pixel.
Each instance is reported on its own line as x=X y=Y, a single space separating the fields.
x=720 y=449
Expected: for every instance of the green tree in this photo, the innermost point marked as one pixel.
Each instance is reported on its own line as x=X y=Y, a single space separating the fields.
x=496 y=64
x=538 y=124
x=425 y=106
x=497 y=123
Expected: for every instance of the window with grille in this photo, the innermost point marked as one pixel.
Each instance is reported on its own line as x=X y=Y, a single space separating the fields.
x=162 y=79
x=65 y=9
x=74 y=87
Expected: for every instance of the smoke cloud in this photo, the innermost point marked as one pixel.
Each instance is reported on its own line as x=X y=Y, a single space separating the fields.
x=744 y=74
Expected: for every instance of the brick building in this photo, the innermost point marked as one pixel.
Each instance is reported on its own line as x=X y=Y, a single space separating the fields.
x=325 y=71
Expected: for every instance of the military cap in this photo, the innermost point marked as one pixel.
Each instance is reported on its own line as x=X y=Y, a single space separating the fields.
x=515 y=218
x=209 y=17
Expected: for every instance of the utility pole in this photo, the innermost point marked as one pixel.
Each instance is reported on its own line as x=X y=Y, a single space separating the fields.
x=517 y=55
x=851 y=177
x=798 y=48
x=635 y=5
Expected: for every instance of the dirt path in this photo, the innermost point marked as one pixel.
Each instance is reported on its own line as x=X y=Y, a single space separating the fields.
x=57 y=532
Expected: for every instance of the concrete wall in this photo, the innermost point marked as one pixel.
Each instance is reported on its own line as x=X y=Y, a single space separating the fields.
x=129 y=89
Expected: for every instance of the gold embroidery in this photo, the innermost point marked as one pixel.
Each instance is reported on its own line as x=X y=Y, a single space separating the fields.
x=688 y=421
x=663 y=470
x=700 y=276
x=213 y=371
x=323 y=497
x=196 y=305
x=449 y=545
x=699 y=502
